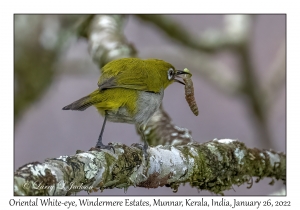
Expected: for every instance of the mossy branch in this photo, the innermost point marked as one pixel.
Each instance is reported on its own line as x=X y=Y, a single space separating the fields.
x=215 y=166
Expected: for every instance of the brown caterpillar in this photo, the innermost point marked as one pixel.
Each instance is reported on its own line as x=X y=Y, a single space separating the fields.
x=189 y=92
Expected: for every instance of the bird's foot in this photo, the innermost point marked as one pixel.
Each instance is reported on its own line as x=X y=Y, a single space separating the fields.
x=143 y=148
x=100 y=146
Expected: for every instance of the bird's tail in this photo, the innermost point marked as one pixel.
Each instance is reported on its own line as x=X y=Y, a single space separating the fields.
x=80 y=104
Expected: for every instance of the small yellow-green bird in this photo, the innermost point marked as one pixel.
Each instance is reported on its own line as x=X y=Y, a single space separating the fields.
x=129 y=90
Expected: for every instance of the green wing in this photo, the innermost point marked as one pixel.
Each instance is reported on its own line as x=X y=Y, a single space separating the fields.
x=130 y=73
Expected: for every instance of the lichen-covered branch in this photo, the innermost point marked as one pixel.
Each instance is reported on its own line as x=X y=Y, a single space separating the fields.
x=106 y=39
x=214 y=166
x=161 y=131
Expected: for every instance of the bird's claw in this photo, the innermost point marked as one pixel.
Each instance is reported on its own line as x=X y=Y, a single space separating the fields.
x=99 y=147
x=143 y=148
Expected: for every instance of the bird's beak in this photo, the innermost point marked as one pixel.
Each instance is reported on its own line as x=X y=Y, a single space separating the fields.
x=178 y=73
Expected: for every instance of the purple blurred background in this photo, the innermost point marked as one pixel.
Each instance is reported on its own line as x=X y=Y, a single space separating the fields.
x=45 y=131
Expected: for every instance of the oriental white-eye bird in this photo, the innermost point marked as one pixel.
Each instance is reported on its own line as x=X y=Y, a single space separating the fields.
x=130 y=90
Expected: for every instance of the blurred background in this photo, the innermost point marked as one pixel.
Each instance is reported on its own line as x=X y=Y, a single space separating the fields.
x=238 y=66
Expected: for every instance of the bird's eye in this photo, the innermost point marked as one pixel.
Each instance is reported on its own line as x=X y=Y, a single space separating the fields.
x=171 y=74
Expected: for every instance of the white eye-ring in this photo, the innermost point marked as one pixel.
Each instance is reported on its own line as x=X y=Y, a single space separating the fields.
x=171 y=74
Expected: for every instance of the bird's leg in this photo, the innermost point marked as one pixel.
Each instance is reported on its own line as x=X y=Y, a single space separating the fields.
x=145 y=147
x=99 y=144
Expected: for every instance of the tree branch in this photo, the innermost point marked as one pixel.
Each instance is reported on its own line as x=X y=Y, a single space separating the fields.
x=210 y=43
x=161 y=131
x=214 y=166
x=106 y=39
x=277 y=78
